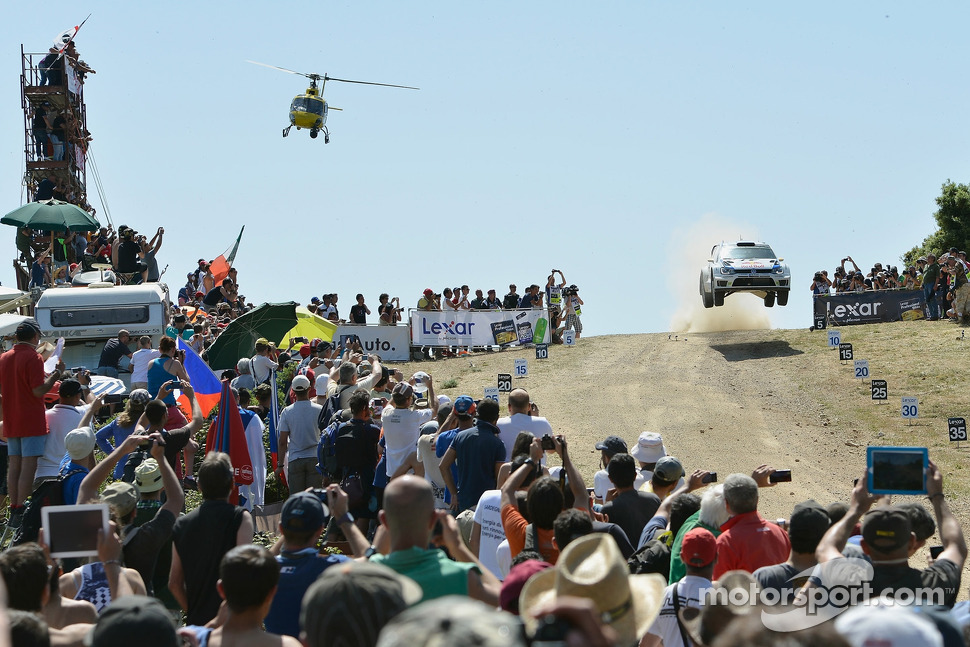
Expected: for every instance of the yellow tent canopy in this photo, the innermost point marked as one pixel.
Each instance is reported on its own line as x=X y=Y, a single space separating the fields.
x=309 y=325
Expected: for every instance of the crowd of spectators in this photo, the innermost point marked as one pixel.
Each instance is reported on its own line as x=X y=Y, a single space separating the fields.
x=562 y=298
x=437 y=518
x=434 y=517
x=943 y=281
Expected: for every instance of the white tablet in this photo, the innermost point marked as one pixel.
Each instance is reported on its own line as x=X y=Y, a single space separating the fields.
x=72 y=530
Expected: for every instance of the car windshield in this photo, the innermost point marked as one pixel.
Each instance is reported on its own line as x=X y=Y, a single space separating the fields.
x=747 y=252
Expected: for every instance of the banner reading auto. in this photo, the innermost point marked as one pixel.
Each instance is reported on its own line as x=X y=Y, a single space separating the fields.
x=479 y=327
x=875 y=306
x=389 y=342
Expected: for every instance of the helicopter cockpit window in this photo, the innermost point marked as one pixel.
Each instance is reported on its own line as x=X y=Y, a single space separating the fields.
x=307 y=104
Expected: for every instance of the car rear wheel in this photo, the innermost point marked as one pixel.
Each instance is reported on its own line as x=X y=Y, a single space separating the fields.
x=719 y=299
x=769 y=299
x=783 y=298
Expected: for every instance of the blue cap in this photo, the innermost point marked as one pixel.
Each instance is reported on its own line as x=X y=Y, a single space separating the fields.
x=464 y=405
x=303 y=512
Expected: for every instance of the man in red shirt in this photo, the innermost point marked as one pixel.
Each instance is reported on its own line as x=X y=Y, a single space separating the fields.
x=747 y=542
x=22 y=389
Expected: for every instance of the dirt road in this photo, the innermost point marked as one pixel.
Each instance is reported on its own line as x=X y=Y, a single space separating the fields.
x=723 y=401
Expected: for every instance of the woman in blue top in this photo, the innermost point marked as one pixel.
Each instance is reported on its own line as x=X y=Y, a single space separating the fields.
x=122 y=426
x=165 y=369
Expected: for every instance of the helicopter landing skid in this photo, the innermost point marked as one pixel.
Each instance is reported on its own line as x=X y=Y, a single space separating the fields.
x=286 y=131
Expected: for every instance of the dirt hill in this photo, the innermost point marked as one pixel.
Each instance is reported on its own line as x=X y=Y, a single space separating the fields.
x=730 y=401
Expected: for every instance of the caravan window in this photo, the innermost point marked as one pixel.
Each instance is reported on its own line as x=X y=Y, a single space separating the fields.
x=114 y=316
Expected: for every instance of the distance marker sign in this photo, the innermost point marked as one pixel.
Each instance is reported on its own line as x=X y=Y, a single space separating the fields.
x=861 y=367
x=542 y=351
x=504 y=382
x=835 y=338
x=880 y=390
x=957 y=429
x=491 y=393
x=845 y=352
x=521 y=367
x=910 y=407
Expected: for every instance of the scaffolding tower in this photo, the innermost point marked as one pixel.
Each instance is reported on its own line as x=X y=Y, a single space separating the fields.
x=55 y=132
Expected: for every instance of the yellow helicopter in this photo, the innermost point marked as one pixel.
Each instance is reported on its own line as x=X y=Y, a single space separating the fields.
x=309 y=110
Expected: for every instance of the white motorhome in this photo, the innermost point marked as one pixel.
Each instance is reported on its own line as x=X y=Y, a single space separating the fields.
x=87 y=317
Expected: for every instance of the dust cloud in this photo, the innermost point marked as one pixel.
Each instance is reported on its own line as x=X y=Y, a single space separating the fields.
x=690 y=248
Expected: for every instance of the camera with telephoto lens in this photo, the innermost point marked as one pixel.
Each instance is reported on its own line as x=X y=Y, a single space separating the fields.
x=818 y=277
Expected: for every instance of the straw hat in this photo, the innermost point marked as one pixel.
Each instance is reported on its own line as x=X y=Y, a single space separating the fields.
x=592 y=567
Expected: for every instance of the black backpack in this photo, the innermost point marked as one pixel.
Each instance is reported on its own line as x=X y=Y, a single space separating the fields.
x=331 y=408
x=327 y=452
x=654 y=557
x=49 y=492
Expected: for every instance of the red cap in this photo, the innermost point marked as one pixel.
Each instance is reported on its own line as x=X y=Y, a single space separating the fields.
x=304 y=351
x=699 y=548
x=508 y=596
x=429 y=292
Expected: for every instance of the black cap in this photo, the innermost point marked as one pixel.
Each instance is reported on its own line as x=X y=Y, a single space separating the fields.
x=886 y=529
x=69 y=388
x=129 y=616
x=613 y=445
x=28 y=326
x=809 y=520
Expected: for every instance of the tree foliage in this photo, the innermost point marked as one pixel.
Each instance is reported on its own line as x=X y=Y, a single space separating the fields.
x=953 y=219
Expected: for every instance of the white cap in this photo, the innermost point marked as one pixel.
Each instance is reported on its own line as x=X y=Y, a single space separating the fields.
x=649 y=448
x=443 y=400
x=887 y=626
x=300 y=383
x=79 y=443
x=320 y=384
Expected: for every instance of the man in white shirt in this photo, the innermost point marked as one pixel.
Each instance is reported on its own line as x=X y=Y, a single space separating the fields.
x=699 y=552
x=520 y=419
x=610 y=447
x=62 y=419
x=401 y=424
x=140 y=360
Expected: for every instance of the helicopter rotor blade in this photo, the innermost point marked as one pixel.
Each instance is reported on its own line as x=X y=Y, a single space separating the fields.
x=386 y=85
x=330 y=107
x=283 y=69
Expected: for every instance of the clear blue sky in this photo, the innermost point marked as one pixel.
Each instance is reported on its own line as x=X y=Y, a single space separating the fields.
x=617 y=142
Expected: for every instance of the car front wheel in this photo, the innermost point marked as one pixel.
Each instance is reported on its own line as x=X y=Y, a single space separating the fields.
x=783 y=298
x=708 y=297
x=769 y=299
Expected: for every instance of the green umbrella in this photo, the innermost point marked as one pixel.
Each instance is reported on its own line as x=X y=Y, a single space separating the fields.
x=270 y=320
x=51 y=215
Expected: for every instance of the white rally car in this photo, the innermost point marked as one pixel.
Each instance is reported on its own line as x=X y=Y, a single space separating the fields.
x=744 y=266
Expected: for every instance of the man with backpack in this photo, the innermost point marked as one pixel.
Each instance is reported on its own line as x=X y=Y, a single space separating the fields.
x=349 y=453
x=298 y=436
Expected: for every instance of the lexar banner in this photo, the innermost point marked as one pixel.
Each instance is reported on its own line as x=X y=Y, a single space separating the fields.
x=871 y=307
x=479 y=327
